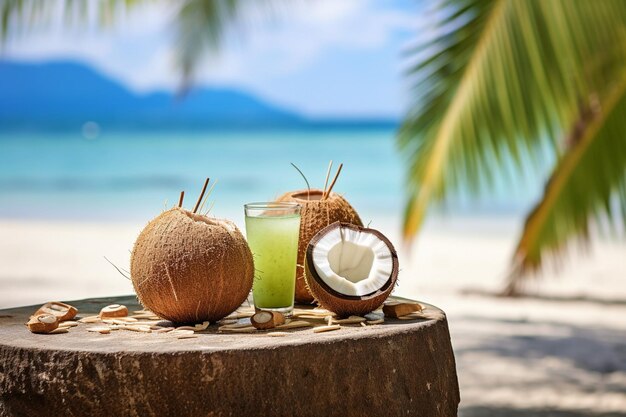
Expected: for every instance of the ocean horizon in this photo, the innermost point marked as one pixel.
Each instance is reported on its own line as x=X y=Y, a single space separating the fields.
x=132 y=175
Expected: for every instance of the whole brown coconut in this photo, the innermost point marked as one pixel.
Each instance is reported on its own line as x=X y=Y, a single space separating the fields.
x=190 y=268
x=315 y=215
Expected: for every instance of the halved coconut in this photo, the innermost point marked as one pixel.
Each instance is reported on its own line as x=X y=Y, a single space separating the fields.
x=350 y=269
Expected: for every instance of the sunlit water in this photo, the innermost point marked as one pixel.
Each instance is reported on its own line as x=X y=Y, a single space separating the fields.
x=131 y=176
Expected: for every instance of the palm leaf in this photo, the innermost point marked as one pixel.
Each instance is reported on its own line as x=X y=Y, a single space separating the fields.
x=498 y=86
x=587 y=183
x=17 y=17
x=199 y=24
x=199 y=28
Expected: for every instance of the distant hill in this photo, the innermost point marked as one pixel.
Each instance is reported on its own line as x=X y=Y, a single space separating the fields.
x=65 y=95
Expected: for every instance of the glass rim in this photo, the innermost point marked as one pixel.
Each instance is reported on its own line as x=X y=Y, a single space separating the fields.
x=272 y=205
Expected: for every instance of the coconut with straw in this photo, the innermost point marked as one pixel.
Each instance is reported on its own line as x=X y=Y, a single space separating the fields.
x=188 y=267
x=320 y=207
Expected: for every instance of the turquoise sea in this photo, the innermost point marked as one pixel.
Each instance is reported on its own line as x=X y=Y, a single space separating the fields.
x=132 y=175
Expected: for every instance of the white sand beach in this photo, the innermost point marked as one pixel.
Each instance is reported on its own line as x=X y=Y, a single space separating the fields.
x=560 y=353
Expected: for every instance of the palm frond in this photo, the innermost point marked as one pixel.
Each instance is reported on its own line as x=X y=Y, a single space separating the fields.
x=199 y=28
x=588 y=183
x=17 y=17
x=199 y=24
x=499 y=84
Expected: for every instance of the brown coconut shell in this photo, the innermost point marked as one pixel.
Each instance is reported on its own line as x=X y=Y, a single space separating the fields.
x=58 y=309
x=341 y=304
x=43 y=323
x=315 y=215
x=189 y=268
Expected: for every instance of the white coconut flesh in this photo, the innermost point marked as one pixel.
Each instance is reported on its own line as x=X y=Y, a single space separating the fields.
x=353 y=262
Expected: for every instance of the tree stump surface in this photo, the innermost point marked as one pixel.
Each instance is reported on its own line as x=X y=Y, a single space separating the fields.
x=401 y=367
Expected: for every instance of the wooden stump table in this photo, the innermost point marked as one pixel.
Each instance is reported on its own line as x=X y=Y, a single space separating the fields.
x=401 y=367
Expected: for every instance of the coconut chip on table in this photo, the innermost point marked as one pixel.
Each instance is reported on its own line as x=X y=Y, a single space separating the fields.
x=118 y=321
x=277 y=334
x=61 y=311
x=295 y=324
x=113 y=311
x=182 y=334
x=237 y=316
x=238 y=325
x=89 y=319
x=414 y=316
x=350 y=320
x=186 y=328
x=140 y=314
x=200 y=327
x=310 y=317
x=247 y=329
x=162 y=330
x=329 y=328
x=316 y=312
x=136 y=328
x=99 y=329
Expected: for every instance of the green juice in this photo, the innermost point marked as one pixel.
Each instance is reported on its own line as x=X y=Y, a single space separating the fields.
x=274 y=245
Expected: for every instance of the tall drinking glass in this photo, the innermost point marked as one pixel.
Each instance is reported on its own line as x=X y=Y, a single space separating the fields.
x=272 y=231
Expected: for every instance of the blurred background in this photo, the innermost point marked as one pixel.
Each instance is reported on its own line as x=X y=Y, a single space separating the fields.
x=487 y=139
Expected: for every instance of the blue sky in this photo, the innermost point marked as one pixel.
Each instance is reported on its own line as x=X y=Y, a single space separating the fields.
x=323 y=58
